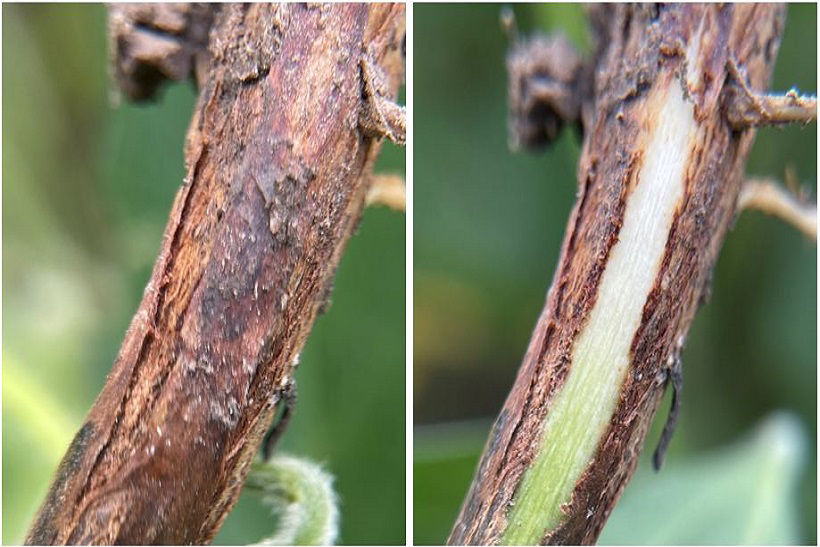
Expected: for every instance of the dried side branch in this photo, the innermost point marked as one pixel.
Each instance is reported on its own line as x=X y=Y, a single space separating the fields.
x=388 y=190
x=381 y=117
x=752 y=109
x=277 y=172
x=769 y=196
x=760 y=110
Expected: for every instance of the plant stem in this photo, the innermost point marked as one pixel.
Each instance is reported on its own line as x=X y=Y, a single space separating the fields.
x=278 y=167
x=659 y=176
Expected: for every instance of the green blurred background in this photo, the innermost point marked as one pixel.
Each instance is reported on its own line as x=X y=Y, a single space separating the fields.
x=487 y=230
x=86 y=193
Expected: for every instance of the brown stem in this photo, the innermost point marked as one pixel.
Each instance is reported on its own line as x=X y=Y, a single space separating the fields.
x=277 y=172
x=659 y=177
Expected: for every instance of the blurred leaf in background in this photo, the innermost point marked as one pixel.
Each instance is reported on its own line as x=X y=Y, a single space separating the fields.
x=488 y=226
x=744 y=493
x=87 y=189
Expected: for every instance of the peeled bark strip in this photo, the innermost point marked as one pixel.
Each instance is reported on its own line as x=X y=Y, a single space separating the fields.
x=659 y=176
x=277 y=173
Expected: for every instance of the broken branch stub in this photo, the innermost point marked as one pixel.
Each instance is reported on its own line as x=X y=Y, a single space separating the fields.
x=544 y=79
x=659 y=176
x=277 y=172
x=151 y=43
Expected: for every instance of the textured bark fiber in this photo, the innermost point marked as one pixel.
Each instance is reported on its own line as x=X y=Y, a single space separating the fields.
x=641 y=51
x=277 y=172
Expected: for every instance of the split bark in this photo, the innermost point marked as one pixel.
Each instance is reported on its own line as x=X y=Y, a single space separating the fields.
x=659 y=177
x=279 y=156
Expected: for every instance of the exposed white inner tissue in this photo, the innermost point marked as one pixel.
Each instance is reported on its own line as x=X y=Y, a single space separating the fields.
x=583 y=408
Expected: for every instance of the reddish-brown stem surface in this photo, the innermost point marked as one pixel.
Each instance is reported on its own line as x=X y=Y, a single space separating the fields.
x=277 y=172
x=644 y=51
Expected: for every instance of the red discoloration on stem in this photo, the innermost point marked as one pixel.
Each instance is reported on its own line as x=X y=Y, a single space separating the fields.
x=277 y=175
x=640 y=48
